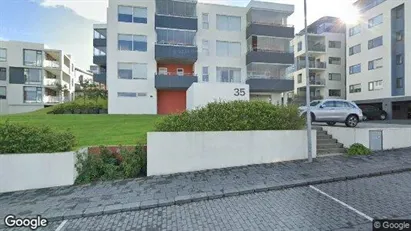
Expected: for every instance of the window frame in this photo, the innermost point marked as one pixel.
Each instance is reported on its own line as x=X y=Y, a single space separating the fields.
x=37 y=57
x=372 y=42
x=5 y=93
x=5 y=52
x=352 y=31
x=26 y=72
x=351 y=50
x=352 y=89
x=133 y=41
x=336 y=95
x=229 y=26
x=205 y=19
x=371 y=21
x=205 y=77
x=124 y=94
x=3 y=69
x=373 y=64
x=38 y=100
x=133 y=18
x=228 y=53
x=205 y=48
x=351 y=69
x=335 y=43
x=335 y=58
x=330 y=76
x=132 y=70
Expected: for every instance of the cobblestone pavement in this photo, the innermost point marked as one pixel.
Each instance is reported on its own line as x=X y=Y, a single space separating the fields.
x=300 y=208
x=76 y=201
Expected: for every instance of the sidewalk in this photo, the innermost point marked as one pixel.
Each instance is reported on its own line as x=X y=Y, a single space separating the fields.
x=110 y=197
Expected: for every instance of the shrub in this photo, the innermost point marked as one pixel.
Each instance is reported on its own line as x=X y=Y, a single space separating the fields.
x=109 y=166
x=79 y=105
x=234 y=116
x=19 y=138
x=358 y=149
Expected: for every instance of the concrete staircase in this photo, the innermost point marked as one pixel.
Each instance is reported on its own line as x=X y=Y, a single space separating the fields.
x=326 y=145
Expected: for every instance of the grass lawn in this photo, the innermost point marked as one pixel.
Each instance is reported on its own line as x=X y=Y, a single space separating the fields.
x=92 y=130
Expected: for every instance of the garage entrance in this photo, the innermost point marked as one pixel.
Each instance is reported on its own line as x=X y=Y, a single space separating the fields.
x=171 y=102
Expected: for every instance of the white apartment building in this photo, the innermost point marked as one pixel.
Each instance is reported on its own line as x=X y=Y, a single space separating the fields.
x=326 y=53
x=378 y=51
x=33 y=77
x=150 y=52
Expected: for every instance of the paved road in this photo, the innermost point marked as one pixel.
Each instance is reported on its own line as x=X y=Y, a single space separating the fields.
x=346 y=205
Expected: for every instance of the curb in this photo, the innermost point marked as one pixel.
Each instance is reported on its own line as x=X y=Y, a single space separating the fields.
x=229 y=192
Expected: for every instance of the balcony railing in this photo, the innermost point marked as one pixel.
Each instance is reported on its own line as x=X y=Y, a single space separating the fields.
x=55 y=99
x=315 y=65
x=317 y=47
x=317 y=81
x=188 y=74
x=51 y=64
x=50 y=82
x=265 y=75
x=269 y=23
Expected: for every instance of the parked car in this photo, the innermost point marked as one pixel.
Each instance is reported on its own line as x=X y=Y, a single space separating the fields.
x=372 y=112
x=332 y=111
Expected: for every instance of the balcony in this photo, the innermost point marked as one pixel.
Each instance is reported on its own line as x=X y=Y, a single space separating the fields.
x=172 y=81
x=51 y=82
x=261 y=83
x=100 y=77
x=317 y=82
x=100 y=60
x=47 y=99
x=316 y=48
x=269 y=56
x=99 y=42
x=169 y=21
x=313 y=65
x=269 y=29
x=51 y=64
x=167 y=53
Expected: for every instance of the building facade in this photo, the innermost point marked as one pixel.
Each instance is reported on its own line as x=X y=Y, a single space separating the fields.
x=378 y=54
x=326 y=54
x=150 y=52
x=32 y=77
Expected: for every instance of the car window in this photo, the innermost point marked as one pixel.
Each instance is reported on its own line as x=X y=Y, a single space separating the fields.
x=329 y=104
x=340 y=104
x=314 y=103
x=346 y=104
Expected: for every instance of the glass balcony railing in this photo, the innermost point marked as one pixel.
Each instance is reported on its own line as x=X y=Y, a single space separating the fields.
x=176 y=37
x=51 y=64
x=314 y=65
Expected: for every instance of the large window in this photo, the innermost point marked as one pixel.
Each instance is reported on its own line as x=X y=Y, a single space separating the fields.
x=3 y=73
x=32 y=94
x=206 y=50
x=334 y=60
x=334 y=44
x=300 y=46
x=206 y=24
x=334 y=92
x=355 y=49
x=228 y=75
x=355 y=88
x=132 y=70
x=132 y=14
x=176 y=8
x=228 y=49
x=376 y=42
x=32 y=76
x=355 y=30
x=127 y=42
x=205 y=74
x=355 y=69
x=3 y=54
x=33 y=58
x=375 y=85
x=375 y=64
x=3 y=92
x=334 y=76
x=176 y=37
x=377 y=20
x=228 y=23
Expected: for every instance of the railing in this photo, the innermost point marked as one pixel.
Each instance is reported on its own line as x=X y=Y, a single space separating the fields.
x=269 y=24
x=316 y=65
x=317 y=81
x=50 y=82
x=54 y=99
x=176 y=74
x=265 y=75
x=51 y=63
x=257 y=49
x=317 y=47
x=301 y=97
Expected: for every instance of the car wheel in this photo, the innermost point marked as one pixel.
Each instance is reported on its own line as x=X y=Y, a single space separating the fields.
x=351 y=121
x=383 y=116
x=331 y=123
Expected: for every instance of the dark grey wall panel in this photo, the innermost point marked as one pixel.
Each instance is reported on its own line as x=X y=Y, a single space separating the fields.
x=99 y=42
x=100 y=78
x=16 y=75
x=166 y=21
x=269 y=57
x=99 y=60
x=270 y=30
x=174 y=82
x=270 y=85
x=176 y=53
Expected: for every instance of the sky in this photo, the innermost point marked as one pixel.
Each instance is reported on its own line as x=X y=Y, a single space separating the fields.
x=67 y=24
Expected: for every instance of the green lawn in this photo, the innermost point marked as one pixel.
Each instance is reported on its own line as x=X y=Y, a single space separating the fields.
x=93 y=130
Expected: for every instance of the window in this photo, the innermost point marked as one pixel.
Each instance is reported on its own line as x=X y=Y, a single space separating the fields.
x=3 y=92
x=206 y=25
x=228 y=49
x=376 y=42
x=398 y=12
x=375 y=85
x=127 y=94
x=228 y=23
x=300 y=46
x=355 y=49
x=32 y=94
x=355 y=69
x=132 y=70
x=355 y=88
x=334 y=93
x=355 y=30
x=206 y=50
x=375 y=64
x=399 y=59
x=162 y=71
x=180 y=71
x=334 y=44
x=228 y=75
x=400 y=83
x=132 y=42
x=399 y=35
x=205 y=74
x=33 y=58
x=377 y=20
x=334 y=60
x=3 y=73
x=132 y=14
x=141 y=94
x=32 y=76
x=334 y=76
x=299 y=78
x=329 y=104
x=3 y=55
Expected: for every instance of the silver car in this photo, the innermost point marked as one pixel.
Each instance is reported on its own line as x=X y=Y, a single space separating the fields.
x=332 y=111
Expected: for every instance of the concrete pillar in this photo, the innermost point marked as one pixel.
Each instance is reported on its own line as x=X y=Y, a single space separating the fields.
x=387 y=106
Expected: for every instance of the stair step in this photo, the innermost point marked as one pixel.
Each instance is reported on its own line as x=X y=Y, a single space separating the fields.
x=323 y=136
x=327 y=146
x=331 y=150
x=326 y=141
x=322 y=133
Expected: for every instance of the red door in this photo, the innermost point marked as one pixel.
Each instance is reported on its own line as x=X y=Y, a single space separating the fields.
x=171 y=102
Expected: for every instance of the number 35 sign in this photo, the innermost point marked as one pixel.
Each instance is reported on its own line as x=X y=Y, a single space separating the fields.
x=239 y=92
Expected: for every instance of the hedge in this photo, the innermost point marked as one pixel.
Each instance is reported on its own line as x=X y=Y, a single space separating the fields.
x=79 y=108
x=234 y=116
x=19 y=138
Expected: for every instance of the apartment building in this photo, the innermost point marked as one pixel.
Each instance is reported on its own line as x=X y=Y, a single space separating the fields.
x=326 y=54
x=32 y=77
x=151 y=52
x=378 y=54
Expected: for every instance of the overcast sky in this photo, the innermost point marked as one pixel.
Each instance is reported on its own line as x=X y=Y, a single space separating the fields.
x=67 y=24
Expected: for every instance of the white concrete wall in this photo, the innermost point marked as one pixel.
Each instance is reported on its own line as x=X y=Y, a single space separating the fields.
x=392 y=137
x=31 y=171
x=209 y=150
x=138 y=105
x=200 y=94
